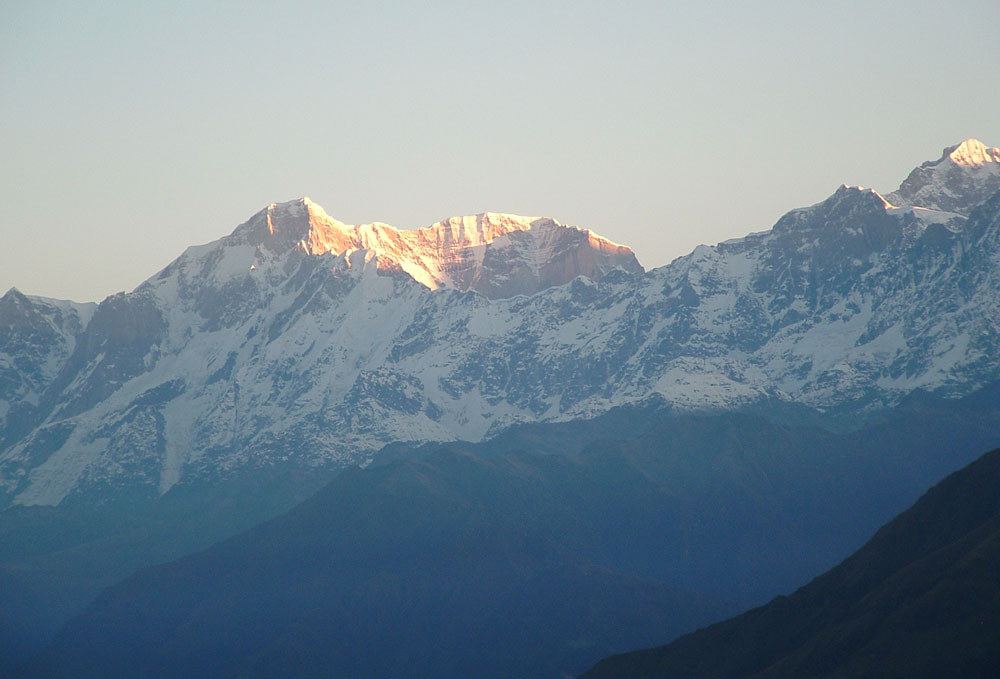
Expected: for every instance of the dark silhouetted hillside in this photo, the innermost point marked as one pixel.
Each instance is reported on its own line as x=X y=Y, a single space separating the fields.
x=921 y=599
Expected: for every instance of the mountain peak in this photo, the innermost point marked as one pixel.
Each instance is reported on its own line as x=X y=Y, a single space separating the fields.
x=965 y=175
x=295 y=224
x=854 y=192
x=972 y=153
x=496 y=254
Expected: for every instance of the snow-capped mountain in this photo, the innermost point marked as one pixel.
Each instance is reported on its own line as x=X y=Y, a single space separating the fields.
x=496 y=255
x=37 y=336
x=964 y=175
x=300 y=340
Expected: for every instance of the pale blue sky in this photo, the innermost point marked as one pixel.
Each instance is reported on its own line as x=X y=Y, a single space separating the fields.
x=131 y=130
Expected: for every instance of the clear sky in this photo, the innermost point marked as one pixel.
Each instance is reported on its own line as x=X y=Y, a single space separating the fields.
x=132 y=130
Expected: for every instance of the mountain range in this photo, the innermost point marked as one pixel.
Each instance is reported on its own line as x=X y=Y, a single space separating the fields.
x=701 y=436
x=300 y=341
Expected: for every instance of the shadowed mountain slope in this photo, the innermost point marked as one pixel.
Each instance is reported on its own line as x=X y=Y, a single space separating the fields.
x=418 y=568
x=540 y=563
x=921 y=599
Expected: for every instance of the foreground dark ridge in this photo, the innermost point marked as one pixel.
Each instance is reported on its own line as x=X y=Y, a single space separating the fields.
x=921 y=599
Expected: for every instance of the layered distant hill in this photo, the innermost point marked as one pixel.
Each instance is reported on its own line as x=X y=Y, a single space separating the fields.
x=298 y=342
x=921 y=599
x=486 y=563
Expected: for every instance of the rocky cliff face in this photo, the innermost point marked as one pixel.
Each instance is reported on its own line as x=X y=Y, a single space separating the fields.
x=298 y=340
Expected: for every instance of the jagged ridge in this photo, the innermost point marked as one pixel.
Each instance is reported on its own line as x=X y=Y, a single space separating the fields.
x=285 y=344
x=498 y=255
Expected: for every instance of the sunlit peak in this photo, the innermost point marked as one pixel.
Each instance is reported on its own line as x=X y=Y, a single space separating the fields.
x=974 y=153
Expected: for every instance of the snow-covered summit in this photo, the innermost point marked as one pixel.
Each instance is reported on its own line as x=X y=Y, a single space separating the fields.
x=965 y=175
x=295 y=224
x=499 y=255
x=973 y=153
